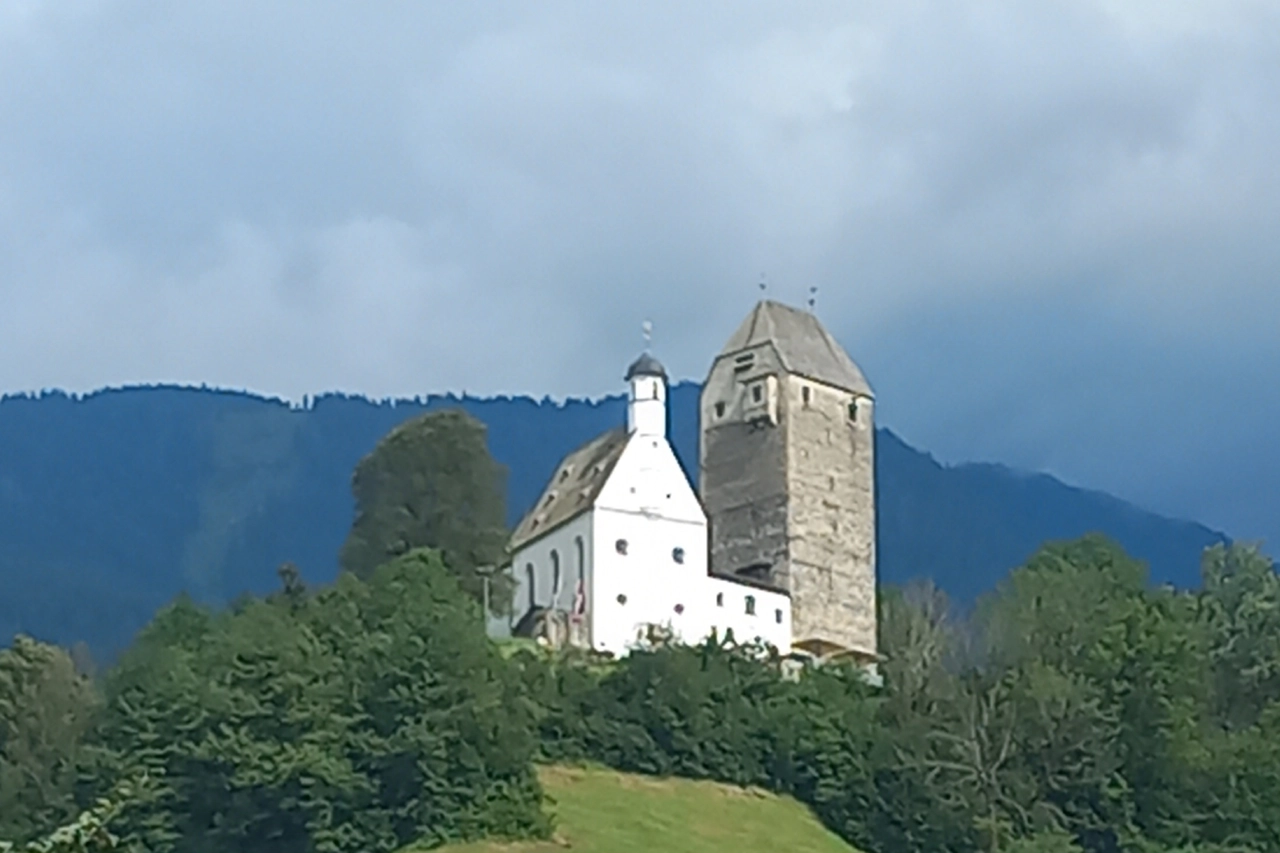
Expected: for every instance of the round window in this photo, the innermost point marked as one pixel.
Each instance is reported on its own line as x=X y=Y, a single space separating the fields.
x=622 y=599
x=679 y=608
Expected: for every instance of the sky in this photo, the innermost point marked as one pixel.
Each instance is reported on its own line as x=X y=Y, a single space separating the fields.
x=1047 y=231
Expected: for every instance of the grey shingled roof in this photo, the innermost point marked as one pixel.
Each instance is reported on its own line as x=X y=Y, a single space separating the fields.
x=645 y=365
x=805 y=347
x=573 y=488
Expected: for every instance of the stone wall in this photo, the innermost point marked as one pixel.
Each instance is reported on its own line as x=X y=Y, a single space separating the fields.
x=830 y=514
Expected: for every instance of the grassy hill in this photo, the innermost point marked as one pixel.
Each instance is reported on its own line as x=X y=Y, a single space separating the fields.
x=601 y=811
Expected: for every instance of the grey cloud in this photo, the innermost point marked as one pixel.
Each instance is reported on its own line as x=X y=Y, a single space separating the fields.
x=1008 y=209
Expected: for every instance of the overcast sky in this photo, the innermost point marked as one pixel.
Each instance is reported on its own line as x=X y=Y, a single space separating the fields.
x=1047 y=230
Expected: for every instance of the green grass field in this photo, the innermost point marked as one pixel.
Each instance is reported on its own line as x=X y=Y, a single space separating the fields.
x=600 y=811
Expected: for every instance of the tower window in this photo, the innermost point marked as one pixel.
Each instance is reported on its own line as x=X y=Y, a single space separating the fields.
x=757 y=393
x=555 y=575
x=853 y=411
x=677 y=554
x=751 y=605
x=719 y=599
x=719 y=410
x=804 y=394
x=679 y=609
x=621 y=547
x=622 y=599
x=777 y=616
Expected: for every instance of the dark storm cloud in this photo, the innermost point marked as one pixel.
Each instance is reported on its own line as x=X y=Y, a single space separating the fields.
x=1046 y=229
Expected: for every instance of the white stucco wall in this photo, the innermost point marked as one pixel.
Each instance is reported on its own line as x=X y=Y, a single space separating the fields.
x=538 y=561
x=649 y=505
x=768 y=620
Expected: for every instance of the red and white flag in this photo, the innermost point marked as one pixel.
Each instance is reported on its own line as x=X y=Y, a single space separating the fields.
x=579 y=600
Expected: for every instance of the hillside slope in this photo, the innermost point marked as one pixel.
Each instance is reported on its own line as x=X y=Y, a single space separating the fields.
x=112 y=504
x=600 y=811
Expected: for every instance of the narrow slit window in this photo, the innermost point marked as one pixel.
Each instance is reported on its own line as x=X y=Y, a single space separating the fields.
x=751 y=605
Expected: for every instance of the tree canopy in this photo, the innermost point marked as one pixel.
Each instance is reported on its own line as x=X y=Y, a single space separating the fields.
x=431 y=483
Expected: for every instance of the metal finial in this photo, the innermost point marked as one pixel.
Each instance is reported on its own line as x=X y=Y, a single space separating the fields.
x=764 y=283
x=813 y=297
x=646 y=328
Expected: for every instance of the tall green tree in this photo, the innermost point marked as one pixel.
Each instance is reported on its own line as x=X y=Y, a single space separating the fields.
x=431 y=483
x=46 y=706
x=1241 y=608
x=355 y=719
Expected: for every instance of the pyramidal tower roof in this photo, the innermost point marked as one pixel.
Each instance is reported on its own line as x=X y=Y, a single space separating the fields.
x=803 y=345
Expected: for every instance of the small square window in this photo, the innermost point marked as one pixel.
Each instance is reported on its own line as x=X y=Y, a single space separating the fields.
x=621 y=547
x=677 y=554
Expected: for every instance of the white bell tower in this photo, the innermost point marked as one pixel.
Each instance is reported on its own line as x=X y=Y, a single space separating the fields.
x=647 y=400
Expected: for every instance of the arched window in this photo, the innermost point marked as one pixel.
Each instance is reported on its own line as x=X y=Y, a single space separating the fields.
x=555 y=575
x=528 y=575
x=581 y=548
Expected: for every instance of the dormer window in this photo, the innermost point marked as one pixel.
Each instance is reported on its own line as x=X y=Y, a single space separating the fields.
x=551 y=496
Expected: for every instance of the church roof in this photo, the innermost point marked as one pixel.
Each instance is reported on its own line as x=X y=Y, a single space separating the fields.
x=573 y=487
x=805 y=347
x=645 y=365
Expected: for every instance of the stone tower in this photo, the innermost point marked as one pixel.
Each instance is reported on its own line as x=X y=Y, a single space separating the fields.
x=787 y=475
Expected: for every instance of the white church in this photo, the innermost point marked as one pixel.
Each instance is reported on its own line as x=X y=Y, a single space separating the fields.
x=616 y=553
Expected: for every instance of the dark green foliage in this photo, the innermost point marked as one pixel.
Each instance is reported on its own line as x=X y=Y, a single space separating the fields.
x=1077 y=710
x=359 y=719
x=1074 y=711
x=431 y=483
x=45 y=707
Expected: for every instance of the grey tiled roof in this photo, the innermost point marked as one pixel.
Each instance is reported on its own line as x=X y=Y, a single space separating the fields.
x=805 y=347
x=573 y=488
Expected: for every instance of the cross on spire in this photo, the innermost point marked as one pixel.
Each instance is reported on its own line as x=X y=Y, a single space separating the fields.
x=646 y=329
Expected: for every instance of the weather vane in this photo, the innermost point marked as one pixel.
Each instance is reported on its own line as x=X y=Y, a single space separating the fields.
x=813 y=297
x=646 y=329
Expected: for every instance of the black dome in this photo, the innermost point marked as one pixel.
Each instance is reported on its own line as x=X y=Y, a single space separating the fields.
x=645 y=365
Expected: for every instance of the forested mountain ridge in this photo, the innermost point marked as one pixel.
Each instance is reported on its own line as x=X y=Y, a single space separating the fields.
x=114 y=502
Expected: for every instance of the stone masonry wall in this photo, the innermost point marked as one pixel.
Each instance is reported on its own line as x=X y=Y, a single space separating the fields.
x=742 y=477
x=831 y=514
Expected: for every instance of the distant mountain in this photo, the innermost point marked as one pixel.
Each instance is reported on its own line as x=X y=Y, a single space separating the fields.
x=113 y=503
